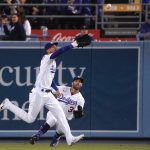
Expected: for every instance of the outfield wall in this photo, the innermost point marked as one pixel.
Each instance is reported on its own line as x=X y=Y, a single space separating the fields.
x=116 y=87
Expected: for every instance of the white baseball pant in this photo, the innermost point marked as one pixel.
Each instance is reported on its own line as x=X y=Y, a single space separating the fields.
x=37 y=100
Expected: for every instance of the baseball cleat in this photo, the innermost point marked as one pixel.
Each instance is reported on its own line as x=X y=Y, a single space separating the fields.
x=55 y=140
x=34 y=138
x=3 y=104
x=78 y=138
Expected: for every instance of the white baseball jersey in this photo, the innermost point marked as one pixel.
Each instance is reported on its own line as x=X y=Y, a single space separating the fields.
x=69 y=102
x=47 y=72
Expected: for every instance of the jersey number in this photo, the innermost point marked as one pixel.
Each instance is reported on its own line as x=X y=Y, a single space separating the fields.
x=71 y=109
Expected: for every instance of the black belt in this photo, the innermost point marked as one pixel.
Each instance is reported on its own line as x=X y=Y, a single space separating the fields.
x=46 y=90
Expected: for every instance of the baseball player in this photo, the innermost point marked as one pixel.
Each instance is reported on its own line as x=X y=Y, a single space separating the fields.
x=72 y=103
x=41 y=96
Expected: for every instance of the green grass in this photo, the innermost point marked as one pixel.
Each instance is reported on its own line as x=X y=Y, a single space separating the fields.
x=76 y=147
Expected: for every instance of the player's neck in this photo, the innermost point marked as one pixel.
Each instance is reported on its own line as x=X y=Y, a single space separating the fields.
x=73 y=91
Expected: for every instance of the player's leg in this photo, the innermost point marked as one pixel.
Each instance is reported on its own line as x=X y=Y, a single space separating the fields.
x=56 y=139
x=50 y=122
x=55 y=108
x=36 y=137
x=35 y=105
x=57 y=136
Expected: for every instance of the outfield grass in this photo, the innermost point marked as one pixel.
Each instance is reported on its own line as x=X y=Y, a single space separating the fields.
x=84 y=146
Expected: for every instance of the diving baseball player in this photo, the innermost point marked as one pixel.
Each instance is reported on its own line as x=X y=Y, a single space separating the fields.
x=41 y=96
x=72 y=103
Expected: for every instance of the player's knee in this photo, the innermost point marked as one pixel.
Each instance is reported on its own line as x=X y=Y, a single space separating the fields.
x=31 y=119
x=51 y=121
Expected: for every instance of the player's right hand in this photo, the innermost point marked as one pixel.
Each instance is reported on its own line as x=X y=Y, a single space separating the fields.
x=57 y=94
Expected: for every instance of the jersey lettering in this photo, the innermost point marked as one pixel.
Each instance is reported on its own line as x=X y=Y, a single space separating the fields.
x=67 y=101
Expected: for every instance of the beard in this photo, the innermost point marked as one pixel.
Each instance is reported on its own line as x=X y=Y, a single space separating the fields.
x=76 y=87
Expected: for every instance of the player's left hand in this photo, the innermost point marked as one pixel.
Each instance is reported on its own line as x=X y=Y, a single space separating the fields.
x=84 y=40
x=78 y=113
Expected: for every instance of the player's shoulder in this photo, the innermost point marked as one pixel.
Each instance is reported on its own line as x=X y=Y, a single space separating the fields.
x=81 y=96
x=46 y=56
x=80 y=99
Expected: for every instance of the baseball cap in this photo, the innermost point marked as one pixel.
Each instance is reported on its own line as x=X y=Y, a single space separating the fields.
x=78 y=77
x=48 y=45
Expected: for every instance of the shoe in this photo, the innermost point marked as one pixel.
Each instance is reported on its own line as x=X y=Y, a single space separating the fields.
x=74 y=139
x=77 y=138
x=55 y=140
x=34 y=138
x=4 y=104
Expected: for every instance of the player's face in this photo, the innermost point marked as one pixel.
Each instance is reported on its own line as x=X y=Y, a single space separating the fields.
x=77 y=84
x=52 y=49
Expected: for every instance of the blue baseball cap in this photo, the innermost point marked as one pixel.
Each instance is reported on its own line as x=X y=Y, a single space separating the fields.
x=49 y=45
x=78 y=77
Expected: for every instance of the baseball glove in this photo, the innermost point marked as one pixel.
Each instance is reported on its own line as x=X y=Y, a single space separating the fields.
x=84 y=40
x=78 y=113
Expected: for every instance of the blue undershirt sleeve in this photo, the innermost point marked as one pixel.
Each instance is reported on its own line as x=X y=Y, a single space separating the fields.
x=60 y=51
x=54 y=86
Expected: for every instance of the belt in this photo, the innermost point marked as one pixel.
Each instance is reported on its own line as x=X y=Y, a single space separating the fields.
x=46 y=90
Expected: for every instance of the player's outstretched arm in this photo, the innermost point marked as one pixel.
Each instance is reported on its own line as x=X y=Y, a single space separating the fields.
x=63 y=49
x=82 y=41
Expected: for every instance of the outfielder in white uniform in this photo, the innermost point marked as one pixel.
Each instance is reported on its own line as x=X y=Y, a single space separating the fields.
x=41 y=96
x=72 y=103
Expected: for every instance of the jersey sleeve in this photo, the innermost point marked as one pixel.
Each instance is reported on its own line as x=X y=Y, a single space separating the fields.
x=81 y=102
x=60 y=88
